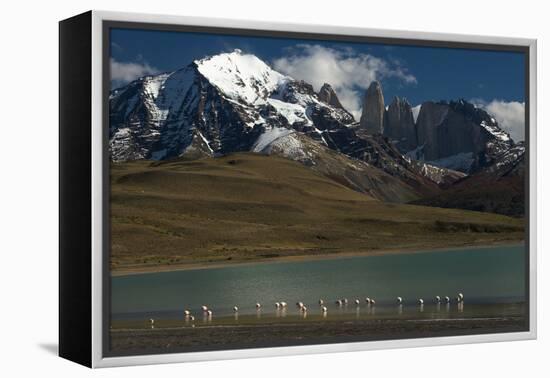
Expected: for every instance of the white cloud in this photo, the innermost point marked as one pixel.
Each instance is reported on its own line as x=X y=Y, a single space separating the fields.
x=124 y=72
x=510 y=116
x=347 y=71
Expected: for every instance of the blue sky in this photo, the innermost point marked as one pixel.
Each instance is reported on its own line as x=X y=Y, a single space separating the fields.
x=489 y=78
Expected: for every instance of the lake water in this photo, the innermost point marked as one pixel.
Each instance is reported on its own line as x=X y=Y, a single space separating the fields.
x=493 y=275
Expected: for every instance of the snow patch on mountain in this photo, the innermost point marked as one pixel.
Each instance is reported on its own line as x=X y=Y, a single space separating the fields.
x=153 y=84
x=206 y=142
x=291 y=112
x=269 y=136
x=508 y=159
x=289 y=146
x=437 y=174
x=416 y=112
x=496 y=131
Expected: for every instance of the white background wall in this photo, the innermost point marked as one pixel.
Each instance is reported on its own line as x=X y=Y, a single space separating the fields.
x=28 y=199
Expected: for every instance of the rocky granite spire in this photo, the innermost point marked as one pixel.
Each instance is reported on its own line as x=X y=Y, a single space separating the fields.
x=431 y=116
x=372 y=117
x=399 y=125
x=329 y=97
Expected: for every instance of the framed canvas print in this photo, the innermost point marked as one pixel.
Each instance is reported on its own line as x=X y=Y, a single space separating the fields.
x=234 y=189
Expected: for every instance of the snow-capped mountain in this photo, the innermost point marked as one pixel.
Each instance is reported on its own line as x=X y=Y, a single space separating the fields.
x=224 y=102
x=235 y=102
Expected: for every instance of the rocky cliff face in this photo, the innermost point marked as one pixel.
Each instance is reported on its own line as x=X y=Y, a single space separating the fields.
x=455 y=135
x=399 y=125
x=458 y=135
x=430 y=117
x=328 y=96
x=372 y=116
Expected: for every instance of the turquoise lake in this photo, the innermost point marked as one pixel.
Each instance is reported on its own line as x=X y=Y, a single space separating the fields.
x=488 y=275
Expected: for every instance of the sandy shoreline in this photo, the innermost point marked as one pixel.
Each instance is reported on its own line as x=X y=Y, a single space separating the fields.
x=301 y=258
x=139 y=341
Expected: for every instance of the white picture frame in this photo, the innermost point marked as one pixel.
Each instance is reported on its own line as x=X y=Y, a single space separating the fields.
x=97 y=263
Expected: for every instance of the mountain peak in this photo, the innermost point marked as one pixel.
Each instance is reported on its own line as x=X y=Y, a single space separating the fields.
x=375 y=86
x=328 y=96
x=372 y=117
x=240 y=76
x=402 y=101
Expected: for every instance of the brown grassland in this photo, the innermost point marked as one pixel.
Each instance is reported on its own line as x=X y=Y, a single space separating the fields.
x=248 y=207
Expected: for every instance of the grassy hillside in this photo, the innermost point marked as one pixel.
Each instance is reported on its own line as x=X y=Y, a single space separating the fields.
x=246 y=207
x=357 y=174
